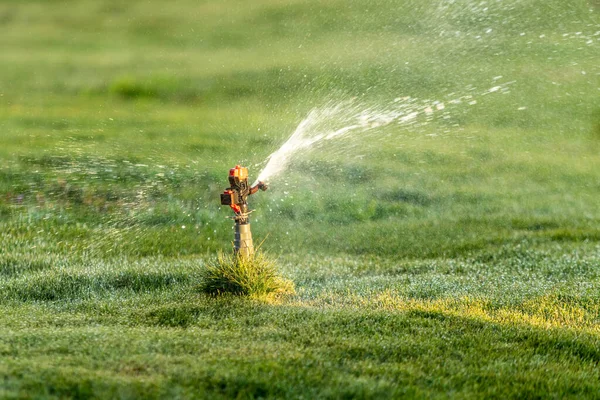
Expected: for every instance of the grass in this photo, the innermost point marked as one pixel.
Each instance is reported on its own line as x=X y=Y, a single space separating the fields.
x=459 y=258
x=254 y=276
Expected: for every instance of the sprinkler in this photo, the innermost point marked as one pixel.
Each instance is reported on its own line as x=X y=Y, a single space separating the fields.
x=236 y=197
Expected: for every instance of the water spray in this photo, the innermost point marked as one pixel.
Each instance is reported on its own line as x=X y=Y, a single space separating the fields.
x=350 y=119
x=236 y=197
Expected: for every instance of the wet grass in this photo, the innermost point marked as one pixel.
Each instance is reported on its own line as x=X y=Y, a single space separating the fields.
x=458 y=258
x=356 y=327
x=254 y=276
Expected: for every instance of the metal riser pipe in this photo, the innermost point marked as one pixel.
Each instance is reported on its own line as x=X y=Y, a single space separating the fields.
x=243 y=240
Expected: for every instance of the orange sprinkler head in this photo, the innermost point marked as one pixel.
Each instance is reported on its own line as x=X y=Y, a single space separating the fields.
x=239 y=172
x=236 y=195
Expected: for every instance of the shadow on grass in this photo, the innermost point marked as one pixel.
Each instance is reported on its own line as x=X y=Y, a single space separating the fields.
x=68 y=286
x=205 y=311
x=11 y=265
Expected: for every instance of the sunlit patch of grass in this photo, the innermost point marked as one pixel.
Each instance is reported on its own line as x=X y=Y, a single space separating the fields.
x=548 y=311
x=255 y=277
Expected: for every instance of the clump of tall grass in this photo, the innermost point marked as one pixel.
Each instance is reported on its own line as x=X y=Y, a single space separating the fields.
x=255 y=277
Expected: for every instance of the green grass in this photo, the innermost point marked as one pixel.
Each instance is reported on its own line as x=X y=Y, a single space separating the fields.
x=254 y=276
x=458 y=258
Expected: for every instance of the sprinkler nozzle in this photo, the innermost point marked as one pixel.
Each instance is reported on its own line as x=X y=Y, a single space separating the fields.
x=262 y=186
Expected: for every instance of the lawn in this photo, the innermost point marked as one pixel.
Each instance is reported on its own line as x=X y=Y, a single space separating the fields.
x=457 y=256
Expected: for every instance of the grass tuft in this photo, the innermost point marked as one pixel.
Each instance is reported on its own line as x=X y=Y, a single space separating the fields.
x=255 y=277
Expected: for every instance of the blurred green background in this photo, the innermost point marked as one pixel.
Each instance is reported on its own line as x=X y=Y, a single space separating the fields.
x=132 y=113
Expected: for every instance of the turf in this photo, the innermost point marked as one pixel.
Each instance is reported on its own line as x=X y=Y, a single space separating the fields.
x=458 y=258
